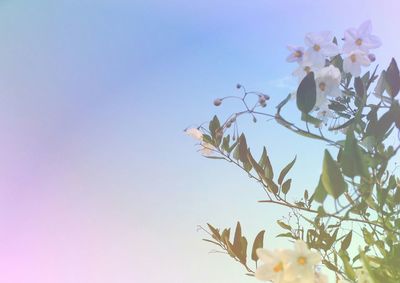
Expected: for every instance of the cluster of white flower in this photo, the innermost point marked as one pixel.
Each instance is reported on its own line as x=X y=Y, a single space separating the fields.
x=290 y=266
x=297 y=266
x=207 y=149
x=321 y=48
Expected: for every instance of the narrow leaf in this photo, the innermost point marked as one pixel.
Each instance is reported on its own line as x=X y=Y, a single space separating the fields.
x=285 y=170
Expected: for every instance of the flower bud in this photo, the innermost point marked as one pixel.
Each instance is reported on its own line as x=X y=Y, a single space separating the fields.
x=238 y=86
x=372 y=57
x=217 y=102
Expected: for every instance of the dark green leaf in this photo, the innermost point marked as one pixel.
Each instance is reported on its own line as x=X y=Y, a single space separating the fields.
x=359 y=86
x=393 y=78
x=306 y=93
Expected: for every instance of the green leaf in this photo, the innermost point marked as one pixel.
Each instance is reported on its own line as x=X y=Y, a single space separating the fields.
x=352 y=161
x=347 y=240
x=215 y=128
x=284 y=225
x=348 y=269
x=307 y=93
x=320 y=192
x=214 y=232
x=258 y=243
x=286 y=186
x=393 y=79
x=359 y=86
x=383 y=125
x=380 y=85
x=265 y=163
x=243 y=150
x=238 y=235
x=286 y=170
x=332 y=178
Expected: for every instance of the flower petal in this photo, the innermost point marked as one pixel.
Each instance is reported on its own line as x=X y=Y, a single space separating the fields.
x=365 y=28
x=330 y=49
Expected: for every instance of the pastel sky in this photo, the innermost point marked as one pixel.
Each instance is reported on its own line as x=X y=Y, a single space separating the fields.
x=98 y=183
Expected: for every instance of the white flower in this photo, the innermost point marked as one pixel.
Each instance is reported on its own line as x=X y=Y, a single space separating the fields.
x=296 y=53
x=360 y=39
x=363 y=276
x=207 y=149
x=301 y=263
x=304 y=68
x=274 y=265
x=194 y=133
x=320 y=45
x=320 y=278
x=324 y=112
x=352 y=64
x=328 y=81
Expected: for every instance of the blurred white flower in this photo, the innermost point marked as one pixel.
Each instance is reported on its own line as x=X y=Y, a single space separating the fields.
x=194 y=133
x=296 y=53
x=320 y=46
x=360 y=39
x=328 y=81
x=301 y=263
x=352 y=64
x=274 y=265
x=207 y=149
x=320 y=278
x=304 y=68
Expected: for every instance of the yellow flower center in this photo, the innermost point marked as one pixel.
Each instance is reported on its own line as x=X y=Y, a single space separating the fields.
x=359 y=42
x=278 y=267
x=317 y=47
x=322 y=86
x=302 y=260
x=353 y=58
x=298 y=54
x=307 y=69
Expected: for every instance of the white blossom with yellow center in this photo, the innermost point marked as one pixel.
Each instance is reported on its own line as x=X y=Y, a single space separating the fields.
x=301 y=263
x=320 y=47
x=328 y=82
x=274 y=265
x=353 y=62
x=360 y=39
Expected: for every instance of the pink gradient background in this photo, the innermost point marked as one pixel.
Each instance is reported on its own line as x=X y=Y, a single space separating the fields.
x=98 y=184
